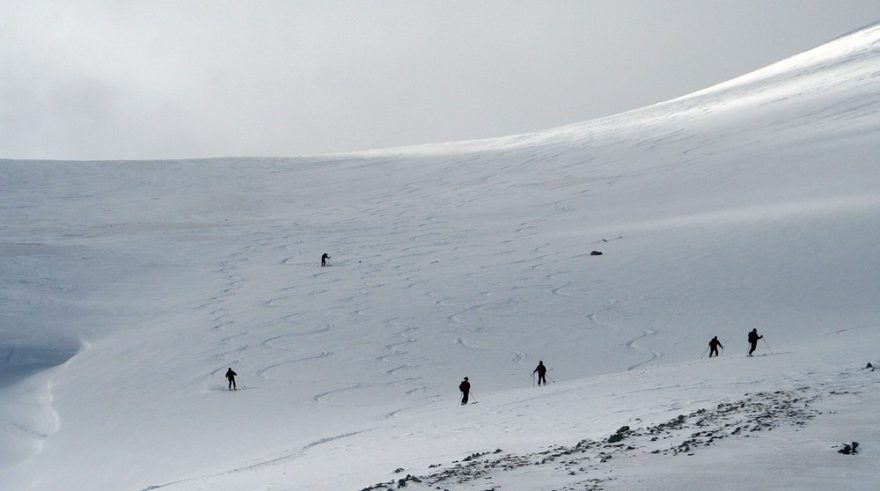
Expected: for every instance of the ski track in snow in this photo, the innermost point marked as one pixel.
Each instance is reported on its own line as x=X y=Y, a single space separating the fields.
x=633 y=344
x=592 y=316
x=321 y=397
x=265 y=463
x=261 y=371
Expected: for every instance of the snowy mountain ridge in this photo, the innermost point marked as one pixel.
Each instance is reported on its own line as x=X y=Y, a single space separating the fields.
x=129 y=288
x=815 y=71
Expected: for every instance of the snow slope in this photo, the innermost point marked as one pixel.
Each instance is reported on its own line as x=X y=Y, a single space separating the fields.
x=128 y=288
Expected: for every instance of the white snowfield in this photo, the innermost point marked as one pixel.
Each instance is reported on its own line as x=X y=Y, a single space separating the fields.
x=128 y=289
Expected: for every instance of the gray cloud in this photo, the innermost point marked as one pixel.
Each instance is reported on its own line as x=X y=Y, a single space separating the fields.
x=140 y=80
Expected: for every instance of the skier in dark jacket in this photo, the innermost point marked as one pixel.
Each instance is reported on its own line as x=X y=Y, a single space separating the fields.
x=324 y=258
x=713 y=346
x=465 y=388
x=753 y=340
x=542 y=373
x=230 y=375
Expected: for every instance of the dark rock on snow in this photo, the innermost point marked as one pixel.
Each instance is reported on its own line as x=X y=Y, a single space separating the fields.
x=620 y=434
x=849 y=449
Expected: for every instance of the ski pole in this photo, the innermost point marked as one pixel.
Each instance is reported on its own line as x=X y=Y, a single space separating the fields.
x=704 y=353
x=767 y=345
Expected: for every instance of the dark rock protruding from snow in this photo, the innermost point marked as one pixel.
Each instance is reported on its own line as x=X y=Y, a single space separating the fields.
x=619 y=435
x=401 y=483
x=849 y=449
x=596 y=253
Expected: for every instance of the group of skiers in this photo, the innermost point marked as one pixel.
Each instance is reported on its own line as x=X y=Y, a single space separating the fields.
x=541 y=370
x=465 y=385
x=753 y=338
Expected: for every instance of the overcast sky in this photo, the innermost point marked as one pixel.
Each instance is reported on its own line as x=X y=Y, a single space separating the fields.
x=173 y=79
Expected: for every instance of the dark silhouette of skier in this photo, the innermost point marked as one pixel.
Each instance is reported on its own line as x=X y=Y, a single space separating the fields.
x=713 y=346
x=230 y=375
x=465 y=388
x=753 y=340
x=324 y=258
x=542 y=373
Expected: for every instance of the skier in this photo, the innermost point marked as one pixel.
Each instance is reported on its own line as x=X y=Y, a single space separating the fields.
x=753 y=340
x=542 y=373
x=465 y=388
x=324 y=258
x=230 y=375
x=713 y=345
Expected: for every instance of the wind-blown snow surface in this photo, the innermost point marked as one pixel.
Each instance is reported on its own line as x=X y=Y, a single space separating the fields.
x=128 y=288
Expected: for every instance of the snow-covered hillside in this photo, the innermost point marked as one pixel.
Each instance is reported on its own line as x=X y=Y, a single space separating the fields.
x=128 y=289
